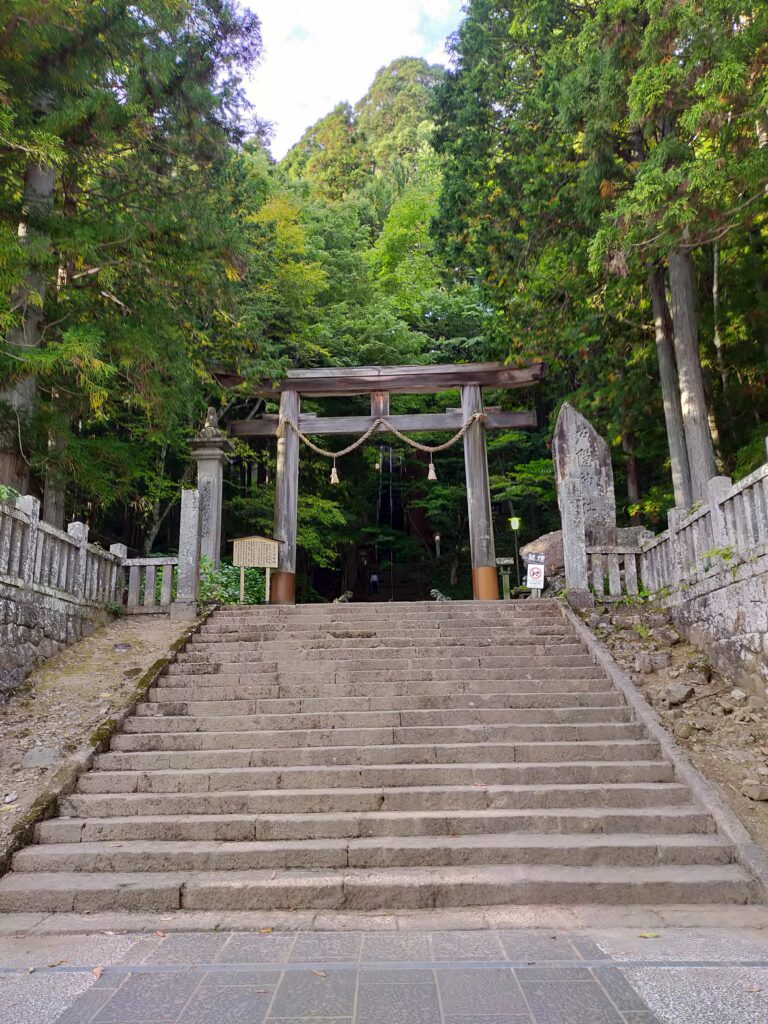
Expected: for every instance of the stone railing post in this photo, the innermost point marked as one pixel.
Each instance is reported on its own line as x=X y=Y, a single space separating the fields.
x=717 y=489
x=31 y=508
x=79 y=531
x=675 y=516
x=184 y=608
x=118 y=575
x=574 y=544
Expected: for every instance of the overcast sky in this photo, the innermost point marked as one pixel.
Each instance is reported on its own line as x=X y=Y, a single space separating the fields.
x=319 y=52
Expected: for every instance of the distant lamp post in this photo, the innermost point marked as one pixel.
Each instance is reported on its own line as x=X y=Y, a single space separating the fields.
x=514 y=522
x=437 y=546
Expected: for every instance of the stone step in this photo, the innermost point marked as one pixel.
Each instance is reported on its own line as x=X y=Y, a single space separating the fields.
x=330 y=673
x=416 y=702
x=266 y=738
x=225 y=687
x=374 y=890
x=391 y=609
x=371 y=799
x=349 y=646
x=677 y=819
x=424 y=753
x=542 y=634
x=625 y=850
x=214 y=780
x=375 y=719
x=393 y=659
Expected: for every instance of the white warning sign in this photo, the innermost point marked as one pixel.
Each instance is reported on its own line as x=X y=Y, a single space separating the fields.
x=535 y=577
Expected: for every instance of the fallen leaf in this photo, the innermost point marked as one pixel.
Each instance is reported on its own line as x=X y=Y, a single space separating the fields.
x=97 y=972
x=265 y=931
x=109 y=933
x=320 y=974
x=57 y=963
x=31 y=970
x=753 y=990
x=159 y=934
x=649 y=935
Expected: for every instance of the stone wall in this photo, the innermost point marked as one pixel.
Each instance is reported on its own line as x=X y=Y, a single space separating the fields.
x=35 y=623
x=726 y=615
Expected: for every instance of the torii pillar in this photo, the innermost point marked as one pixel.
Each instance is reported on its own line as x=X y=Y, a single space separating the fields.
x=283 y=588
x=485 y=580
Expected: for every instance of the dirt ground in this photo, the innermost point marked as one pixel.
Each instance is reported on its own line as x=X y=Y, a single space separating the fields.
x=723 y=731
x=60 y=704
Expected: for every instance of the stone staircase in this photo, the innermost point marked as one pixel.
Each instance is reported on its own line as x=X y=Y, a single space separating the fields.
x=369 y=758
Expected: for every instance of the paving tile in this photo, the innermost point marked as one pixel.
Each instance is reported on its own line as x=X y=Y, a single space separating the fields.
x=385 y=947
x=480 y=991
x=398 y=1004
x=323 y=994
x=581 y=1002
x=187 y=949
x=148 y=997
x=618 y=989
x=587 y=948
x=226 y=1006
x=326 y=947
x=557 y=974
x=241 y=979
x=526 y=946
x=480 y=945
x=493 y=1018
x=82 y=1011
x=257 y=949
x=399 y=976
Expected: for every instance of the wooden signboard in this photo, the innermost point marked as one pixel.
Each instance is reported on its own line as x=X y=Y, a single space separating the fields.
x=255 y=553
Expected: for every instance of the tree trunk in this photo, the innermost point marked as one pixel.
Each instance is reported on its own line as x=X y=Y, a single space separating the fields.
x=670 y=390
x=28 y=299
x=633 y=471
x=701 y=453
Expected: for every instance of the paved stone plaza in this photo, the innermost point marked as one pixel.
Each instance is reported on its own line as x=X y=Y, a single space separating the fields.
x=616 y=976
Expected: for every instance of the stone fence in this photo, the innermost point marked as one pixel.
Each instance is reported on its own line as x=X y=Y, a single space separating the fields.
x=56 y=586
x=731 y=529
x=709 y=567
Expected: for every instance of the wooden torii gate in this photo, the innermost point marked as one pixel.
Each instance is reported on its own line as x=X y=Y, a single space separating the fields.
x=380 y=382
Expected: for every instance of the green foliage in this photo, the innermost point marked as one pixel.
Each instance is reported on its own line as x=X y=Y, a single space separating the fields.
x=581 y=145
x=222 y=585
x=8 y=493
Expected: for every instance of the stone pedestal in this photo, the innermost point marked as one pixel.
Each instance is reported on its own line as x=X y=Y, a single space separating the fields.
x=184 y=608
x=210 y=451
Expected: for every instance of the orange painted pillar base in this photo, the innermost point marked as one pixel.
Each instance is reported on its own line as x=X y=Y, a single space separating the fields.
x=485 y=583
x=283 y=588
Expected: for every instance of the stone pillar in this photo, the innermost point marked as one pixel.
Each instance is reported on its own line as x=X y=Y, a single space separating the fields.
x=80 y=533
x=31 y=508
x=575 y=545
x=184 y=608
x=585 y=494
x=286 y=501
x=717 y=488
x=675 y=516
x=209 y=450
x=485 y=580
x=118 y=576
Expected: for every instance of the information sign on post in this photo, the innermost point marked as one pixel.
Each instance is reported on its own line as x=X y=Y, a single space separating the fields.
x=255 y=553
x=535 y=578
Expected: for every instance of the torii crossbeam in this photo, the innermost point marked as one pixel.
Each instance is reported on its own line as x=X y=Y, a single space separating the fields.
x=380 y=382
